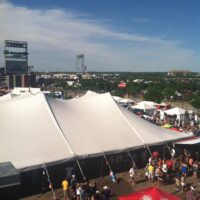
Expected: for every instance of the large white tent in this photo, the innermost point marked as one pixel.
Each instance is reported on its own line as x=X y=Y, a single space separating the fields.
x=36 y=129
x=29 y=134
x=5 y=97
x=190 y=141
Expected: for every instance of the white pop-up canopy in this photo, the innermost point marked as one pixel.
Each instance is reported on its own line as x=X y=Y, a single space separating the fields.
x=116 y=98
x=36 y=129
x=175 y=111
x=145 y=105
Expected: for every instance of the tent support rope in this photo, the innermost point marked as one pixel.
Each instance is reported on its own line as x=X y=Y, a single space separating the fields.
x=148 y=149
x=107 y=161
x=52 y=115
x=79 y=166
x=134 y=164
x=168 y=148
x=47 y=173
x=163 y=151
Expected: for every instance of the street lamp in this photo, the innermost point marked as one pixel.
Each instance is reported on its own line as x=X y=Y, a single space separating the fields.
x=29 y=77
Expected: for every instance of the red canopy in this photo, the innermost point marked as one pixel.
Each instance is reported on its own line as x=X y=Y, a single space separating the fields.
x=175 y=129
x=122 y=85
x=151 y=193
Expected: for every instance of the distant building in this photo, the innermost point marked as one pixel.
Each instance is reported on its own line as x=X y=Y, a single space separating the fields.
x=2 y=75
x=16 y=57
x=179 y=72
x=17 y=71
x=23 y=80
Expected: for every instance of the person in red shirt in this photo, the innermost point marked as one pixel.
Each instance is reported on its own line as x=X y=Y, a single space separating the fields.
x=169 y=164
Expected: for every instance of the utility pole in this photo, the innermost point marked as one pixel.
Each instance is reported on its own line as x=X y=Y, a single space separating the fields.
x=29 y=77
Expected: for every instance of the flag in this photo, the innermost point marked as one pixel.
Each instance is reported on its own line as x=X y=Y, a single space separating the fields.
x=122 y=85
x=112 y=176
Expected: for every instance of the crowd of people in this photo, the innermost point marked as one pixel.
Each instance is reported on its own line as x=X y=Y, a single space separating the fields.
x=172 y=171
x=84 y=191
x=157 y=171
x=187 y=122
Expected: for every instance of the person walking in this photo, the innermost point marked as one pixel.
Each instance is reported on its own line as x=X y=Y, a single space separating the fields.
x=131 y=175
x=65 y=186
x=195 y=170
x=151 y=172
x=73 y=184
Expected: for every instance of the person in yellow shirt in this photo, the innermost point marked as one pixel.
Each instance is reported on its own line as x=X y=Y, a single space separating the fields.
x=65 y=186
x=151 y=172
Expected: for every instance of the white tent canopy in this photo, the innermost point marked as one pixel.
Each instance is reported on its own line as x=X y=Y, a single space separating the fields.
x=126 y=101
x=175 y=111
x=36 y=129
x=29 y=134
x=191 y=141
x=145 y=105
x=122 y=100
x=116 y=98
x=105 y=125
x=6 y=97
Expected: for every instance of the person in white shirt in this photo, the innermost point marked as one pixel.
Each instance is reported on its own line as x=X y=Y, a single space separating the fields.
x=172 y=152
x=131 y=175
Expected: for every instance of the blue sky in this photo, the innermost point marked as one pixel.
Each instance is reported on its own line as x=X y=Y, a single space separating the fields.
x=114 y=35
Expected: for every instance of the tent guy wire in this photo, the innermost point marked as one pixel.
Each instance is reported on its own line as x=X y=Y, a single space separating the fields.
x=47 y=173
x=134 y=164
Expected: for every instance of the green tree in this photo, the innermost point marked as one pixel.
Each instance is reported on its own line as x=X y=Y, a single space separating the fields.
x=154 y=93
x=168 y=92
x=196 y=102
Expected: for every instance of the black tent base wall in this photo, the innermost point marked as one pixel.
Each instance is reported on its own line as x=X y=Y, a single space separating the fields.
x=9 y=181
x=34 y=182
x=10 y=193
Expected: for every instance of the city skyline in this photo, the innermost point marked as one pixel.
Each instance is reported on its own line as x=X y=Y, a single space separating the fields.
x=113 y=35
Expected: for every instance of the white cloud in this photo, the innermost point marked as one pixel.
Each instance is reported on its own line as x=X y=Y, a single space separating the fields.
x=140 y=20
x=55 y=37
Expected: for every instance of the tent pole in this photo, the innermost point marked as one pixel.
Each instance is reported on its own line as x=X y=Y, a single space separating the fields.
x=134 y=164
x=79 y=166
x=47 y=173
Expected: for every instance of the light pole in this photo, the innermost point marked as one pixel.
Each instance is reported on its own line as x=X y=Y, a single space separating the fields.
x=29 y=77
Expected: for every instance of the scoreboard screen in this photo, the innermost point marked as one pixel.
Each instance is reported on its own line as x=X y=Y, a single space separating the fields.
x=16 y=67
